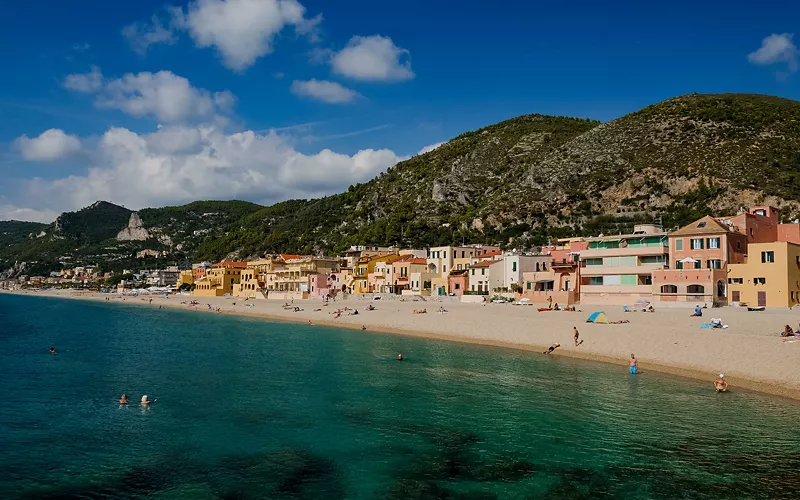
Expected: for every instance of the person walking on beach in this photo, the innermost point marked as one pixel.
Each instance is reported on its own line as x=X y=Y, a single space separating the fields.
x=633 y=364
x=577 y=335
x=550 y=302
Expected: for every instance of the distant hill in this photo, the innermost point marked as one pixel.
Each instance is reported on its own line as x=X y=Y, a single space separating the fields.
x=517 y=183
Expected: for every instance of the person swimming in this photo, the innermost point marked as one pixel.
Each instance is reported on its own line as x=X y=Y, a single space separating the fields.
x=721 y=385
x=124 y=399
x=145 y=401
x=52 y=350
x=399 y=357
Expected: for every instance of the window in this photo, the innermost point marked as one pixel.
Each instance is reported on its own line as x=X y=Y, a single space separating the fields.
x=696 y=244
x=612 y=279
x=483 y=272
x=713 y=242
x=596 y=280
x=593 y=262
x=528 y=285
x=473 y=272
x=544 y=266
x=698 y=264
x=695 y=289
x=458 y=286
x=679 y=244
x=701 y=225
x=669 y=289
x=654 y=259
x=537 y=267
x=628 y=279
x=444 y=254
x=444 y=269
x=759 y=281
x=714 y=264
x=768 y=257
x=735 y=281
x=458 y=267
x=462 y=254
x=678 y=264
x=513 y=267
x=735 y=296
x=738 y=245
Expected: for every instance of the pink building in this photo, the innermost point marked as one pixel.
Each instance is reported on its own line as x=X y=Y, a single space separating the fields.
x=458 y=282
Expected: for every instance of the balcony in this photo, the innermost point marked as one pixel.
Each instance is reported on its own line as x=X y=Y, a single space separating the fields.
x=624 y=252
x=603 y=270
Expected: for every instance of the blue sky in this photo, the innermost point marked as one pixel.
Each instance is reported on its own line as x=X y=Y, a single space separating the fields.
x=271 y=99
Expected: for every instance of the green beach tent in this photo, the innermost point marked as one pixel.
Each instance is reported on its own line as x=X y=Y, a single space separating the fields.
x=598 y=317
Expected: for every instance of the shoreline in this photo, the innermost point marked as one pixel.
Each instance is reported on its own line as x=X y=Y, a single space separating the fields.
x=751 y=362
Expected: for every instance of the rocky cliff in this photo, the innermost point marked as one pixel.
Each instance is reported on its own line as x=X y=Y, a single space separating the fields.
x=135 y=230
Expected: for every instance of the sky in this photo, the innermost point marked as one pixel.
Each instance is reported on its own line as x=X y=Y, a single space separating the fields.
x=149 y=103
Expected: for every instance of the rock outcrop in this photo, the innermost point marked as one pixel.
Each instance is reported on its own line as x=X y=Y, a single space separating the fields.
x=135 y=230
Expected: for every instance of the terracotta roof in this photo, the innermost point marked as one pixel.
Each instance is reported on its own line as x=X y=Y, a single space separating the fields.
x=485 y=263
x=417 y=260
x=706 y=225
x=289 y=256
x=489 y=254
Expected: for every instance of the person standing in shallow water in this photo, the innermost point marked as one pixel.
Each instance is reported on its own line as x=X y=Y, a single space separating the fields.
x=633 y=364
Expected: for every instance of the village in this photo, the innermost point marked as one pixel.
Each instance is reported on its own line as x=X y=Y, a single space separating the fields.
x=749 y=259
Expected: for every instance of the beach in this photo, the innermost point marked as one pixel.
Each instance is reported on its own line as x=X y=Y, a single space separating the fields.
x=750 y=353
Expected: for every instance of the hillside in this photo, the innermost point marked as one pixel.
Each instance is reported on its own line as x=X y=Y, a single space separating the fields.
x=516 y=183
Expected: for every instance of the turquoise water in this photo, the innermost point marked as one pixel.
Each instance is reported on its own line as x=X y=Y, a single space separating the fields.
x=254 y=409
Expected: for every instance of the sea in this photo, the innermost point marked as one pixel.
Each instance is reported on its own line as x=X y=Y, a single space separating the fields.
x=246 y=408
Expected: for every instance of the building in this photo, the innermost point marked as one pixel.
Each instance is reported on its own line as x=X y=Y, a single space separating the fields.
x=619 y=269
x=219 y=279
x=408 y=272
x=292 y=275
x=769 y=276
x=509 y=276
x=458 y=282
x=366 y=267
x=479 y=276
x=561 y=281
x=442 y=260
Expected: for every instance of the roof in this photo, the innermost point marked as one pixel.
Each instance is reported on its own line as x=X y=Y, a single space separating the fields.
x=289 y=256
x=485 y=263
x=231 y=265
x=459 y=272
x=489 y=254
x=706 y=225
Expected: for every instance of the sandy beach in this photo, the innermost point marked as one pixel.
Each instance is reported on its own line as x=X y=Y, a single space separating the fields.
x=750 y=352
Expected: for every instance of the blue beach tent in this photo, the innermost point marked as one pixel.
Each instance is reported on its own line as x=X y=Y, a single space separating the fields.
x=598 y=317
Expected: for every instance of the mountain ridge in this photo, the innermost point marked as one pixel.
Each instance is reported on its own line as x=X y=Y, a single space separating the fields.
x=516 y=183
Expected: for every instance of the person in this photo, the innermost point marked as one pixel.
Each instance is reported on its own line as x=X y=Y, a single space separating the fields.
x=363 y=327
x=145 y=401
x=633 y=364
x=721 y=385
x=550 y=302
x=577 y=335
x=399 y=357
x=697 y=311
x=650 y=309
x=551 y=348
x=52 y=350
x=124 y=399
x=787 y=332
x=151 y=301
x=310 y=322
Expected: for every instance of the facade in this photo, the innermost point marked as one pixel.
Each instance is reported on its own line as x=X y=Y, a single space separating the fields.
x=403 y=270
x=442 y=260
x=619 y=269
x=770 y=276
x=362 y=283
x=509 y=276
x=561 y=281
x=699 y=256
x=479 y=276
x=292 y=274
x=458 y=282
x=219 y=280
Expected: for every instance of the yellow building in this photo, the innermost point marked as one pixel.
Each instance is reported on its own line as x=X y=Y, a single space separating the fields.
x=291 y=275
x=255 y=279
x=219 y=280
x=366 y=267
x=770 y=276
x=186 y=278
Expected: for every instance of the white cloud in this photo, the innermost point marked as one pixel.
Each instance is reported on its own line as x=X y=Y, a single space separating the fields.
x=12 y=212
x=50 y=145
x=373 y=58
x=242 y=31
x=428 y=149
x=163 y=95
x=323 y=90
x=142 y=35
x=86 y=82
x=776 y=49
x=177 y=164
